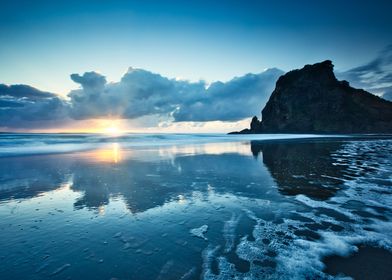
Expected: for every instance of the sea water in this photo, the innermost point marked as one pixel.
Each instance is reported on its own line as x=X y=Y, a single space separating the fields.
x=208 y=206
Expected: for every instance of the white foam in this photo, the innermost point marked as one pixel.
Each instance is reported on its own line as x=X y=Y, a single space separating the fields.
x=200 y=231
x=229 y=231
x=189 y=274
x=300 y=257
x=208 y=256
x=60 y=269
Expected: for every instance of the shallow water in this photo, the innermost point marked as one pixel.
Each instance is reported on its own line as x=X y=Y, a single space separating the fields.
x=189 y=207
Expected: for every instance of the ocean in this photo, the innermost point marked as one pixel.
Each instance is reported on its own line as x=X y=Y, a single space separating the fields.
x=195 y=206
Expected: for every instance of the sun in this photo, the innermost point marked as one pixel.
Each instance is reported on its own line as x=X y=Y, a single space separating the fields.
x=112 y=127
x=112 y=130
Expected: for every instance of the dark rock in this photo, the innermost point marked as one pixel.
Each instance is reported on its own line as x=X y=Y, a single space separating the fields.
x=255 y=124
x=312 y=100
x=244 y=131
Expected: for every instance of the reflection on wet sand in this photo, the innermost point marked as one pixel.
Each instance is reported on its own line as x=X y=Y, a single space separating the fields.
x=136 y=175
x=148 y=184
x=302 y=167
x=142 y=178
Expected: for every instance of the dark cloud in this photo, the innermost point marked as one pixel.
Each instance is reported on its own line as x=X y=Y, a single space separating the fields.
x=375 y=76
x=234 y=100
x=5 y=103
x=22 y=106
x=388 y=95
x=23 y=91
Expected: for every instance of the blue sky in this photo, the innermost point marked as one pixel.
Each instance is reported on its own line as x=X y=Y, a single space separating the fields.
x=43 y=42
x=190 y=44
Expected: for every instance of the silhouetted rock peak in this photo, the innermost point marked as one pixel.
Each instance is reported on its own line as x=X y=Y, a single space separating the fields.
x=312 y=100
x=320 y=72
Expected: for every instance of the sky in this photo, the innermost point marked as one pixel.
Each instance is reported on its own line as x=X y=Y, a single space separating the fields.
x=191 y=45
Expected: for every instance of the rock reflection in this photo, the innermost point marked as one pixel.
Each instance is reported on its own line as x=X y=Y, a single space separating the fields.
x=302 y=167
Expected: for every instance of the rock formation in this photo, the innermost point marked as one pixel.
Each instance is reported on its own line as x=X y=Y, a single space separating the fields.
x=312 y=100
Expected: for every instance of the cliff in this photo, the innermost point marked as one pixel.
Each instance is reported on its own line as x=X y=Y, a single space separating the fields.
x=312 y=100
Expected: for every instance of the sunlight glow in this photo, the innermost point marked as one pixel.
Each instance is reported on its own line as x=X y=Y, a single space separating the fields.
x=112 y=130
x=112 y=127
x=111 y=154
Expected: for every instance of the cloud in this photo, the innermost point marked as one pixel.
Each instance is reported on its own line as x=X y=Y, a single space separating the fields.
x=143 y=93
x=90 y=81
x=234 y=100
x=139 y=95
x=375 y=76
x=22 y=106
x=388 y=95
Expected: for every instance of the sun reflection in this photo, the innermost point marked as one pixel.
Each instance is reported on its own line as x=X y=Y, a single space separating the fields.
x=101 y=210
x=116 y=153
x=112 y=154
x=181 y=199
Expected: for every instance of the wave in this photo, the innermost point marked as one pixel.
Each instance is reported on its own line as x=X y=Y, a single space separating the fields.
x=13 y=144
